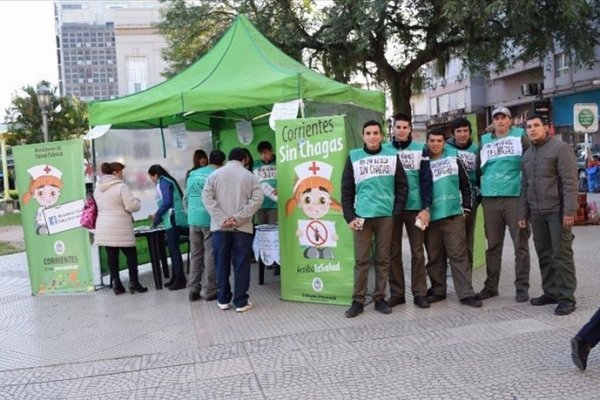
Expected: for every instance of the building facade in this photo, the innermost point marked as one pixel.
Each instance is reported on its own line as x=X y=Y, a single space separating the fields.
x=549 y=87
x=107 y=49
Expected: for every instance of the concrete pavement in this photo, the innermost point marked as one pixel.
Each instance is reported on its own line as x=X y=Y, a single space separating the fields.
x=159 y=345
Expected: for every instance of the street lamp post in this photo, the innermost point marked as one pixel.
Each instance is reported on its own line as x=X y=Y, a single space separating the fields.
x=44 y=96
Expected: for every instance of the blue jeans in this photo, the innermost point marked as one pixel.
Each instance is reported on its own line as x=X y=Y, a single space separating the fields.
x=232 y=247
x=175 y=253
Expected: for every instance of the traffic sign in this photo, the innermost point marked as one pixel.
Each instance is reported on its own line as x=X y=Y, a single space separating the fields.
x=585 y=117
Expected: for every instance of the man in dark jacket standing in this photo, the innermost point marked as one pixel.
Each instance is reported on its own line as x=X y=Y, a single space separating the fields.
x=549 y=201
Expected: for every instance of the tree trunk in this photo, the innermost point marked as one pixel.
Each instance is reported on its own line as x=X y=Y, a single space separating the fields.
x=400 y=91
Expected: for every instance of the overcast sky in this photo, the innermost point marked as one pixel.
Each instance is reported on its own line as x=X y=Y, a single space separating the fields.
x=27 y=47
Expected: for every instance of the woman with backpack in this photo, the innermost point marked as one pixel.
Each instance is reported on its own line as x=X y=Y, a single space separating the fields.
x=172 y=215
x=114 y=224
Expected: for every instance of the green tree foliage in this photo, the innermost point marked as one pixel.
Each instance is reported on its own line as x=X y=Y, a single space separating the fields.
x=392 y=40
x=67 y=117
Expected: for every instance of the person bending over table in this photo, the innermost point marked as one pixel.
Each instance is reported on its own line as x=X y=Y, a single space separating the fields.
x=172 y=215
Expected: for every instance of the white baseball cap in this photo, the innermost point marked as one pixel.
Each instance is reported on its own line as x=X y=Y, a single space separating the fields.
x=501 y=110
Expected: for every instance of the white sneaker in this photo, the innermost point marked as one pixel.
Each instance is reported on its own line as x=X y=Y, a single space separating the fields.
x=223 y=306
x=245 y=308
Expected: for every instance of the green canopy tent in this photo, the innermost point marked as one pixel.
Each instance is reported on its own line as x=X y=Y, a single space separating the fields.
x=239 y=79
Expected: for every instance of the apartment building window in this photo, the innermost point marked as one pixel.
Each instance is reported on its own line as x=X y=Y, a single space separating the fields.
x=444 y=103
x=561 y=65
x=137 y=76
x=433 y=105
x=460 y=99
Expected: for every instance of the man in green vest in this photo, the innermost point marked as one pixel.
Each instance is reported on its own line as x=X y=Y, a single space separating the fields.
x=445 y=237
x=499 y=165
x=549 y=203
x=373 y=190
x=415 y=161
x=467 y=152
x=265 y=171
x=202 y=261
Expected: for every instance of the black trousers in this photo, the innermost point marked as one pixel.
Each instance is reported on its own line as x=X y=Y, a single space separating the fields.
x=113 y=262
x=590 y=333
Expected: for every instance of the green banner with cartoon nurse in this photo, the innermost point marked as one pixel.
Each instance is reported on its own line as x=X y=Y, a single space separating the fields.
x=50 y=182
x=316 y=247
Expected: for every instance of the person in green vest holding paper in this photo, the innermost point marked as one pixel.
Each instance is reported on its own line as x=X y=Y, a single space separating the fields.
x=265 y=171
x=467 y=152
x=415 y=161
x=374 y=188
x=202 y=261
x=172 y=215
x=499 y=166
x=445 y=237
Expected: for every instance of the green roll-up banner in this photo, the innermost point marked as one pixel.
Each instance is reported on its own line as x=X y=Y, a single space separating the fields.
x=316 y=245
x=50 y=182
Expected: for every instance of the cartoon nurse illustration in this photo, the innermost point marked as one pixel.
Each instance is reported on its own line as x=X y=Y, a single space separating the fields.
x=312 y=193
x=45 y=185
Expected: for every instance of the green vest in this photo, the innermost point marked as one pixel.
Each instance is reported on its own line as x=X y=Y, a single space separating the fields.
x=468 y=157
x=267 y=175
x=410 y=158
x=180 y=216
x=501 y=164
x=374 y=177
x=197 y=214
x=446 y=197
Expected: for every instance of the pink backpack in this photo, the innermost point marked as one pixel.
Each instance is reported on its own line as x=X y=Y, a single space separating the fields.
x=89 y=214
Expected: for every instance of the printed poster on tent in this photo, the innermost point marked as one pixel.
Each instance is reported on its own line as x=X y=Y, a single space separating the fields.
x=316 y=245
x=50 y=182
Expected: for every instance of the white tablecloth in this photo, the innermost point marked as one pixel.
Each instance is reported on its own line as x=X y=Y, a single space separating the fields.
x=266 y=244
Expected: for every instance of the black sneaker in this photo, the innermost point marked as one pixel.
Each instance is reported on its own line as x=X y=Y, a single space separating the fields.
x=382 y=306
x=521 y=296
x=471 y=301
x=486 y=294
x=394 y=301
x=564 y=308
x=421 y=301
x=193 y=296
x=543 y=300
x=355 y=309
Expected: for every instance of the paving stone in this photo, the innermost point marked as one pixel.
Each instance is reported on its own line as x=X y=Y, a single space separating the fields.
x=158 y=345
x=221 y=368
x=232 y=387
